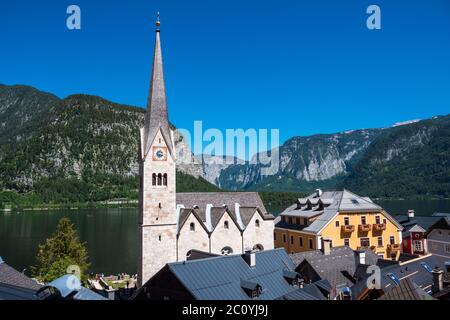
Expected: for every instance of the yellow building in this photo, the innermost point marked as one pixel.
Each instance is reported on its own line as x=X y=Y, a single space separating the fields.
x=344 y=218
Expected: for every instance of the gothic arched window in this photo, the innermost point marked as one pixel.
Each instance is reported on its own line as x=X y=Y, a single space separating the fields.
x=154 y=179
x=257 y=223
x=165 y=179
x=226 y=225
x=159 y=179
x=192 y=226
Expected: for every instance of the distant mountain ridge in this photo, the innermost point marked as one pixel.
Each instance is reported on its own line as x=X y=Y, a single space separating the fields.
x=44 y=139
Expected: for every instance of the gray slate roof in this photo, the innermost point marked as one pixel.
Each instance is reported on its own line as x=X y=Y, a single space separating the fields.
x=11 y=276
x=406 y=290
x=220 y=278
x=9 y=292
x=335 y=267
x=408 y=223
x=327 y=206
x=412 y=269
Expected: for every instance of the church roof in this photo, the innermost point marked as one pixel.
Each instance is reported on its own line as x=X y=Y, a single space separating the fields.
x=211 y=206
x=218 y=199
x=156 y=117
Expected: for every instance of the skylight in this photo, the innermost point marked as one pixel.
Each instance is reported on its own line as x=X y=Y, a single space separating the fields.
x=426 y=266
x=394 y=278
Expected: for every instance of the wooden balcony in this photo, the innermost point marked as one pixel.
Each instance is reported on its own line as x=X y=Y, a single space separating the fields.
x=379 y=226
x=364 y=227
x=393 y=247
x=347 y=229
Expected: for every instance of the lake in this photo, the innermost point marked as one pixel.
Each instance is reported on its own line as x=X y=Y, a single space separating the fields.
x=111 y=233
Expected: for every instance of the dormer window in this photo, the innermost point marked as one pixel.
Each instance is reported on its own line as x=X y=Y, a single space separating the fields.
x=292 y=277
x=192 y=226
x=252 y=289
x=226 y=225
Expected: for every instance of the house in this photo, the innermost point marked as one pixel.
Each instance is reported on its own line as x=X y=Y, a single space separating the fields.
x=413 y=234
x=438 y=237
x=340 y=266
x=15 y=285
x=254 y=275
x=172 y=224
x=425 y=272
x=342 y=217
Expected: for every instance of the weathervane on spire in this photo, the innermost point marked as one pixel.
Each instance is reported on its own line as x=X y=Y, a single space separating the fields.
x=158 y=22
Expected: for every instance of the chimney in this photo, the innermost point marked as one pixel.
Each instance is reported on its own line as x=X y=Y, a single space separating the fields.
x=438 y=283
x=250 y=257
x=361 y=256
x=410 y=214
x=326 y=246
x=318 y=193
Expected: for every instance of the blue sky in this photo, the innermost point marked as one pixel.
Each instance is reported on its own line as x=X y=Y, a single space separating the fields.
x=303 y=67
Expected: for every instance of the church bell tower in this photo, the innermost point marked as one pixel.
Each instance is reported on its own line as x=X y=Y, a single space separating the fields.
x=157 y=190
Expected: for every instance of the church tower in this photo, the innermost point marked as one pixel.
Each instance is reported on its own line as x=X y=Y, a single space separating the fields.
x=157 y=191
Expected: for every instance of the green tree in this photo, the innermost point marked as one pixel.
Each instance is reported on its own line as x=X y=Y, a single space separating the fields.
x=60 y=251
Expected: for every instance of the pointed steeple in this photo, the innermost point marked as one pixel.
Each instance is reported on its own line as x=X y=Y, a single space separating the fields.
x=156 y=117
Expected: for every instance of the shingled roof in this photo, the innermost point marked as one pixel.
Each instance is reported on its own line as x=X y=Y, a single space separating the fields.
x=12 y=277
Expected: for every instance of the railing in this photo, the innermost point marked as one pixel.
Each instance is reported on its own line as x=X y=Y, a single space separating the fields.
x=379 y=226
x=365 y=227
x=393 y=247
x=348 y=228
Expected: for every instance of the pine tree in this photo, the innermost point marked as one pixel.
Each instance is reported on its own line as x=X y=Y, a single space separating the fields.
x=60 y=251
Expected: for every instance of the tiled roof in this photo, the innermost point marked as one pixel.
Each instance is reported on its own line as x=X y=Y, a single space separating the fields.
x=220 y=278
x=218 y=199
x=10 y=276
x=406 y=290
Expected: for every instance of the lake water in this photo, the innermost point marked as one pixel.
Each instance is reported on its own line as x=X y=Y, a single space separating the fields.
x=111 y=233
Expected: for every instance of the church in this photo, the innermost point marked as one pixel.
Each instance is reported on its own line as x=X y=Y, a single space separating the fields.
x=173 y=225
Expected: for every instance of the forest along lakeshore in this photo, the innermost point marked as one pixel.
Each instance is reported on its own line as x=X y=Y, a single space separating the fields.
x=110 y=233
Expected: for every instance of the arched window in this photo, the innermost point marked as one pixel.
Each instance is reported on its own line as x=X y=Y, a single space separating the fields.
x=192 y=226
x=154 y=179
x=226 y=251
x=257 y=223
x=159 y=179
x=258 y=247
x=226 y=225
x=165 y=179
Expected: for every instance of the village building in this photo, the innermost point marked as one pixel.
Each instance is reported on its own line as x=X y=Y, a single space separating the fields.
x=413 y=234
x=171 y=224
x=438 y=237
x=343 y=218
x=254 y=275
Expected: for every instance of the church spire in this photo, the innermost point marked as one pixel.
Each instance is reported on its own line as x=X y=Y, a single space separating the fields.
x=156 y=117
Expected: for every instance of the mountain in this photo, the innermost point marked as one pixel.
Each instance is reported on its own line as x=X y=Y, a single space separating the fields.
x=84 y=148
x=408 y=160
x=81 y=148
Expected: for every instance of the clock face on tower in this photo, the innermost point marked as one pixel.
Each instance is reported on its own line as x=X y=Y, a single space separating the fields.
x=159 y=153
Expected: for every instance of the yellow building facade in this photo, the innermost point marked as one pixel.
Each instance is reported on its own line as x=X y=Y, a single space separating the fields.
x=342 y=217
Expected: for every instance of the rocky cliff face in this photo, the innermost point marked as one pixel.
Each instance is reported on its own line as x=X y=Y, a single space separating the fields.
x=314 y=158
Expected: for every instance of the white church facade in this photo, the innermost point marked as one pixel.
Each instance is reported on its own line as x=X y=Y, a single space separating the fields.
x=173 y=225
